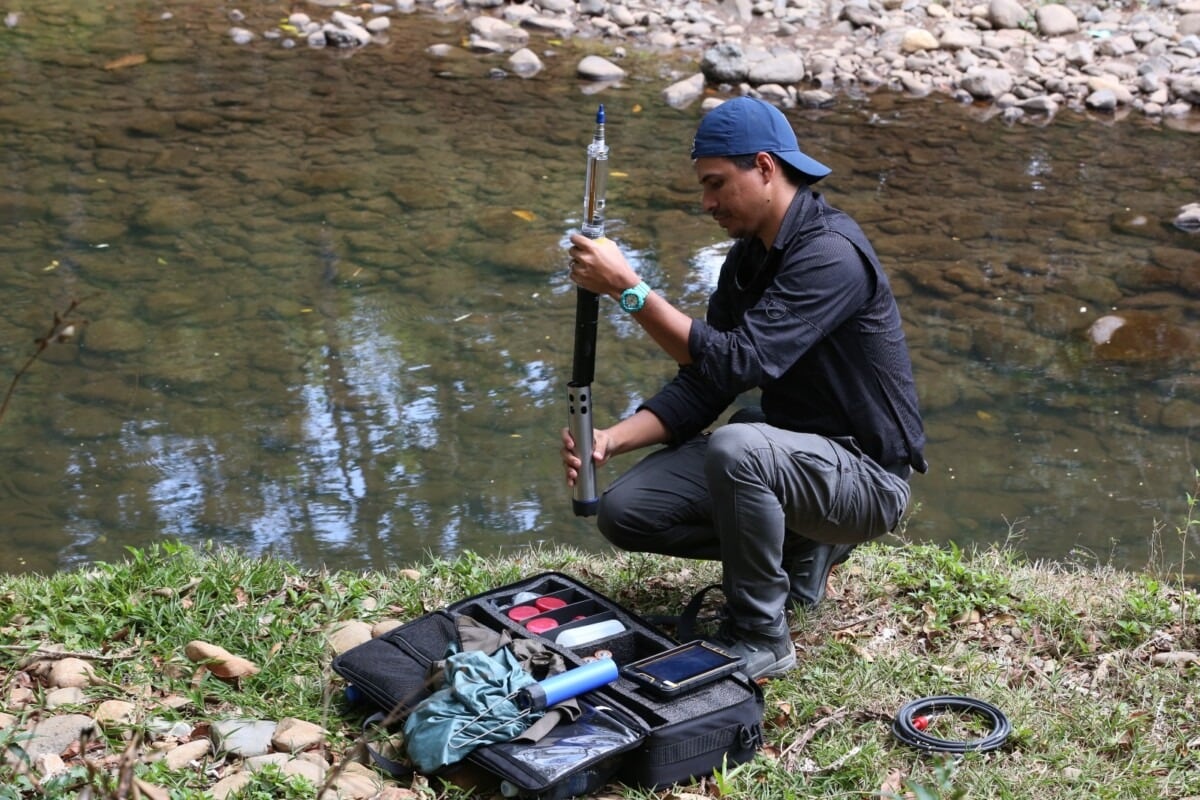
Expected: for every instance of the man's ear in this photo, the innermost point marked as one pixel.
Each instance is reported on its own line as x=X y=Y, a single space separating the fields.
x=765 y=164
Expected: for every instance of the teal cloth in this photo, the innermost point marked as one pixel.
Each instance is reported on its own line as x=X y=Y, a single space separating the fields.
x=474 y=707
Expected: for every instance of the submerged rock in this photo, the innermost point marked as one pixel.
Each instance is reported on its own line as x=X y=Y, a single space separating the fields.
x=1137 y=337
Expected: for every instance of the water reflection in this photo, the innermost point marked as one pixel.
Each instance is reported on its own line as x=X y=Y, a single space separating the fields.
x=705 y=268
x=328 y=315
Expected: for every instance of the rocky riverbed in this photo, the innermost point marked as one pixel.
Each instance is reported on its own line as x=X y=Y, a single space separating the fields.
x=1019 y=58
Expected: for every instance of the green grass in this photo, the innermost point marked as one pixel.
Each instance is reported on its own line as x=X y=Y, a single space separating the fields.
x=1065 y=652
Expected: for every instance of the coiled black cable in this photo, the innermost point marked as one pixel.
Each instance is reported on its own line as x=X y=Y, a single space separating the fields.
x=904 y=729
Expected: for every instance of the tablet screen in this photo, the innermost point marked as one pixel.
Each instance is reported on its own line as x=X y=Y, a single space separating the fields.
x=678 y=667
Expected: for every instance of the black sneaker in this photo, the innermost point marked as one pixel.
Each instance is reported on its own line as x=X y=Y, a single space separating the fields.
x=808 y=565
x=764 y=656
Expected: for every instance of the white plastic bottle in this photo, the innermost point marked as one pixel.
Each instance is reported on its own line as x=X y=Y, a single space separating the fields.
x=574 y=637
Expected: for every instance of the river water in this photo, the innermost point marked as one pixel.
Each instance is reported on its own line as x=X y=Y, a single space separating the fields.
x=319 y=302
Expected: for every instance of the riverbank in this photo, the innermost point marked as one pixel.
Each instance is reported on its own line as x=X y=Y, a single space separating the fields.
x=106 y=686
x=1019 y=59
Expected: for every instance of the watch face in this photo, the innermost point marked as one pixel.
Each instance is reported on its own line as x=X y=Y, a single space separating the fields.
x=632 y=299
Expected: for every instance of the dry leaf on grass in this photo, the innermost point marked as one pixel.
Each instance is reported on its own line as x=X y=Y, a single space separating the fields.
x=894 y=783
x=219 y=661
x=131 y=60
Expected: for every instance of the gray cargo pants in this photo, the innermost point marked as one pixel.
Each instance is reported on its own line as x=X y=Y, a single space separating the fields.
x=737 y=494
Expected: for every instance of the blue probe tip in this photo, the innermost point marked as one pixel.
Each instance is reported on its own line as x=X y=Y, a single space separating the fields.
x=600 y=115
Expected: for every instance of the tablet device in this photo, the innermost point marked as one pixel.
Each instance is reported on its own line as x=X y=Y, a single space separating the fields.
x=682 y=669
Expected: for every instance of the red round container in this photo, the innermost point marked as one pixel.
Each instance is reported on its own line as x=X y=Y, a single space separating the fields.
x=540 y=625
x=549 y=603
x=519 y=613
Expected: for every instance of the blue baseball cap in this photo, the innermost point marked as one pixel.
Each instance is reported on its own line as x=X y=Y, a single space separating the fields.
x=747 y=125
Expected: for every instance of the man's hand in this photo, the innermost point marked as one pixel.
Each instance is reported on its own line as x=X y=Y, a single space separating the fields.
x=571 y=463
x=599 y=266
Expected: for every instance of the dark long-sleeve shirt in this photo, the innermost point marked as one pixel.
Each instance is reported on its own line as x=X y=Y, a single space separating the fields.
x=812 y=323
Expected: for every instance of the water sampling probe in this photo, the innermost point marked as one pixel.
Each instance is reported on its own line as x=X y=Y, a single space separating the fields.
x=585 y=497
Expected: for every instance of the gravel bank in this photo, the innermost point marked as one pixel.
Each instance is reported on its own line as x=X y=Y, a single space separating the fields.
x=1020 y=58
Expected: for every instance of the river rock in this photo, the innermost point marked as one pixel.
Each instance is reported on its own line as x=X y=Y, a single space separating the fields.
x=497 y=30
x=150 y=123
x=725 y=63
x=860 y=16
x=1187 y=87
x=1136 y=337
x=182 y=756
x=1079 y=54
x=48 y=765
x=342 y=636
x=175 y=729
x=815 y=98
x=685 y=92
x=1039 y=104
x=115 y=713
x=478 y=44
x=1102 y=100
x=114 y=336
x=1117 y=46
x=1006 y=14
x=1005 y=343
x=598 y=68
x=1056 y=20
x=55 y=734
x=545 y=23
x=987 y=83
x=294 y=735
x=67 y=696
x=169 y=215
x=1180 y=414
x=230 y=785
x=67 y=672
x=955 y=37
x=918 y=39
x=357 y=782
x=243 y=737
x=525 y=63
x=786 y=68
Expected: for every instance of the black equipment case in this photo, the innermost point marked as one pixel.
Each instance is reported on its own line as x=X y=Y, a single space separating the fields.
x=648 y=740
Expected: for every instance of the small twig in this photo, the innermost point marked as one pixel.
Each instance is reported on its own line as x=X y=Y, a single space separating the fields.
x=807 y=736
x=125 y=769
x=854 y=623
x=834 y=765
x=62 y=329
x=49 y=654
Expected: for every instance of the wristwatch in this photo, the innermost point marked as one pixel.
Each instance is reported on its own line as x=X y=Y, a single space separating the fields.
x=633 y=298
